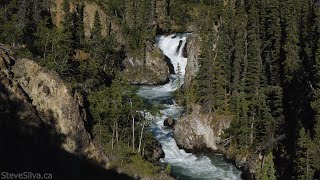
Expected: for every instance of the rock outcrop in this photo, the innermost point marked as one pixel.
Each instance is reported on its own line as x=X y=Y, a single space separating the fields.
x=197 y=131
x=150 y=70
x=154 y=152
x=108 y=25
x=44 y=100
x=169 y=122
x=192 y=68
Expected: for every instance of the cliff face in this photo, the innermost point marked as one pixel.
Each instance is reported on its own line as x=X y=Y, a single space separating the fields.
x=197 y=131
x=150 y=70
x=192 y=68
x=44 y=97
x=108 y=25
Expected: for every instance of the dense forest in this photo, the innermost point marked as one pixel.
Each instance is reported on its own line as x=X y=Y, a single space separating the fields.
x=259 y=63
x=264 y=73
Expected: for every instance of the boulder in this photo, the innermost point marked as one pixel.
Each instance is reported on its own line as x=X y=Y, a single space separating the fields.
x=240 y=161
x=197 y=131
x=158 y=153
x=169 y=122
x=154 y=152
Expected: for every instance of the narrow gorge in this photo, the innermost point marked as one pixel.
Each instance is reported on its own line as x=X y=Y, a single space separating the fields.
x=184 y=165
x=160 y=89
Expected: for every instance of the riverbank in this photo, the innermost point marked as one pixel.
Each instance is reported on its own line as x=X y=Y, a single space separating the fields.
x=183 y=165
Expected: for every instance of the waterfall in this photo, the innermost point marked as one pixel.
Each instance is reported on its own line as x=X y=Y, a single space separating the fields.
x=184 y=165
x=170 y=47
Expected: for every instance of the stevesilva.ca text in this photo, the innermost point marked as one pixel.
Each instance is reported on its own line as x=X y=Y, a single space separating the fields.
x=25 y=175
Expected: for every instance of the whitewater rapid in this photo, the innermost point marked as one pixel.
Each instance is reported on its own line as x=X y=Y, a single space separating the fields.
x=183 y=165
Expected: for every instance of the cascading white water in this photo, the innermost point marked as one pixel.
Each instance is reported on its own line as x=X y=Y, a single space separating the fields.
x=168 y=45
x=184 y=165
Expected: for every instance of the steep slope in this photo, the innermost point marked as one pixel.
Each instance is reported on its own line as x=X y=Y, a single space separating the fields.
x=43 y=123
x=150 y=70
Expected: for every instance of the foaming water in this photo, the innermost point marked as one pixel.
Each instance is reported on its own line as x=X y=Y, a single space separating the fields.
x=169 y=46
x=184 y=165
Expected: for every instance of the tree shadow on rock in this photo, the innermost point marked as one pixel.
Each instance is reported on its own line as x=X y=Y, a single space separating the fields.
x=29 y=145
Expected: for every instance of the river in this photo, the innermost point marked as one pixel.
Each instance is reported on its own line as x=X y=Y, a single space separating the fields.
x=183 y=165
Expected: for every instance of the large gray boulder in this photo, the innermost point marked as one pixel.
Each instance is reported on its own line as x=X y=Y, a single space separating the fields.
x=197 y=131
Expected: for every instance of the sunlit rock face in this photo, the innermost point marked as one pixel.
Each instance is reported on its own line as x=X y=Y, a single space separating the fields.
x=192 y=66
x=197 y=131
x=44 y=101
x=152 y=69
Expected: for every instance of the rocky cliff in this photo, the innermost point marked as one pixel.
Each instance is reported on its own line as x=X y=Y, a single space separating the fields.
x=150 y=70
x=193 y=52
x=197 y=131
x=42 y=106
x=108 y=24
x=52 y=97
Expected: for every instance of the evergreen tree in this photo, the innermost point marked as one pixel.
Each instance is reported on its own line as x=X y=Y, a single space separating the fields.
x=79 y=38
x=271 y=43
x=10 y=26
x=240 y=52
x=96 y=30
x=53 y=47
x=292 y=62
x=210 y=79
x=304 y=156
x=315 y=104
x=268 y=169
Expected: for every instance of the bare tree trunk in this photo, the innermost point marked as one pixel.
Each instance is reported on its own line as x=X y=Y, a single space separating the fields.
x=141 y=134
x=153 y=11
x=100 y=130
x=251 y=134
x=133 y=133
x=225 y=98
x=45 y=48
x=113 y=130
x=143 y=150
x=132 y=126
x=117 y=132
x=308 y=160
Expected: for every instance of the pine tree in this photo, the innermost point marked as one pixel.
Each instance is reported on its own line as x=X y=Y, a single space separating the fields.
x=53 y=46
x=210 y=79
x=253 y=75
x=271 y=43
x=268 y=169
x=96 y=30
x=79 y=37
x=304 y=156
x=240 y=52
x=10 y=25
x=274 y=102
x=315 y=104
x=292 y=62
x=241 y=125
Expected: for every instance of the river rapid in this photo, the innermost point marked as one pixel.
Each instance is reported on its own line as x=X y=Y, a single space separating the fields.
x=183 y=165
